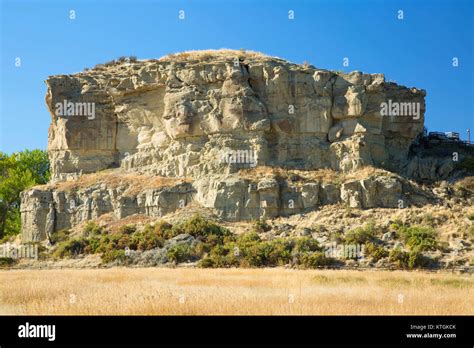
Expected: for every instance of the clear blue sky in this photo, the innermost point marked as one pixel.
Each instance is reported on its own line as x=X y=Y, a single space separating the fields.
x=416 y=51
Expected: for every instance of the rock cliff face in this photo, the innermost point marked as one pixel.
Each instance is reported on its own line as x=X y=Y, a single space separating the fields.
x=207 y=117
x=188 y=115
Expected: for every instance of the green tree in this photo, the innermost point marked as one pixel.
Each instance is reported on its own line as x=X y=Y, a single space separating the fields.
x=18 y=172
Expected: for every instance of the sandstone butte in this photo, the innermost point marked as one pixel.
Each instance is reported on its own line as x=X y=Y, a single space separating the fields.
x=245 y=135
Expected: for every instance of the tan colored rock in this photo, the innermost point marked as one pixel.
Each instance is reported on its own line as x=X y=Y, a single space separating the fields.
x=373 y=192
x=351 y=104
x=206 y=116
x=147 y=113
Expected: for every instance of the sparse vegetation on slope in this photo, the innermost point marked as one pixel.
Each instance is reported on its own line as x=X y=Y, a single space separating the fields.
x=211 y=245
x=219 y=54
x=114 y=178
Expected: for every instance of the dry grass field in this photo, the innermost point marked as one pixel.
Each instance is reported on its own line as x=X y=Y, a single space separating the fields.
x=187 y=291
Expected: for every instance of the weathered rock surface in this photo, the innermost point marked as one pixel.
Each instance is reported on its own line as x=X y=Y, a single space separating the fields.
x=182 y=117
x=46 y=210
x=233 y=198
x=206 y=117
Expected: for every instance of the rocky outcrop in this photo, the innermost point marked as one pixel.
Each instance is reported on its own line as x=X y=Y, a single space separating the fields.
x=186 y=117
x=206 y=118
x=46 y=210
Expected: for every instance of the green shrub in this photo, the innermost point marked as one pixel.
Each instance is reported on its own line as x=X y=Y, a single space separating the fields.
x=72 y=247
x=93 y=245
x=199 y=227
x=248 y=250
x=214 y=239
x=98 y=241
x=412 y=259
x=249 y=237
x=361 y=235
x=207 y=262
x=180 y=253
x=419 y=237
x=7 y=261
x=114 y=255
x=254 y=252
x=315 y=259
x=107 y=242
x=396 y=226
x=92 y=229
x=399 y=257
x=418 y=260
x=146 y=239
x=114 y=241
x=261 y=226
x=305 y=244
x=127 y=229
x=59 y=236
x=268 y=253
x=221 y=256
x=226 y=255
x=203 y=248
x=163 y=230
x=377 y=252
x=7 y=238
x=219 y=262
x=120 y=241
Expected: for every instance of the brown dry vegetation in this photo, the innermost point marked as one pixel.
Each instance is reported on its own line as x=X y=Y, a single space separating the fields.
x=113 y=178
x=323 y=175
x=219 y=54
x=192 y=56
x=160 y=291
x=114 y=225
x=466 y=183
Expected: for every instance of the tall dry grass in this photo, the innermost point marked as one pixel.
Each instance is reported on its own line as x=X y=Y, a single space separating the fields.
x=158 y=291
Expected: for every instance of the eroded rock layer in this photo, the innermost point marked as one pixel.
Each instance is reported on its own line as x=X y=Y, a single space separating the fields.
x=189 y=117
x=51 y=208
x=208 y=118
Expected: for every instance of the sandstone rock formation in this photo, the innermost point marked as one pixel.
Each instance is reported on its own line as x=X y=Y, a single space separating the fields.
x=182 y=117
x=204 y=117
